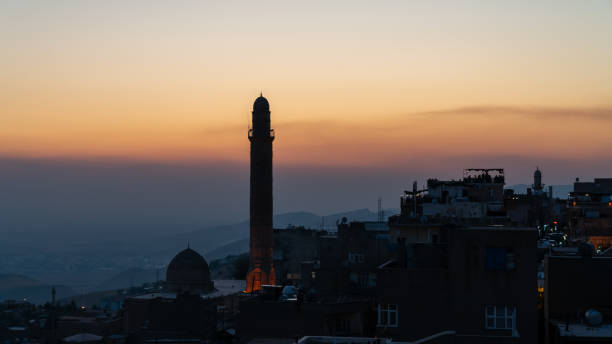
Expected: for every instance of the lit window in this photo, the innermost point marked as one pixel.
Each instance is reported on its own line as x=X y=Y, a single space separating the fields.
x=500 y=317
x=387 y=315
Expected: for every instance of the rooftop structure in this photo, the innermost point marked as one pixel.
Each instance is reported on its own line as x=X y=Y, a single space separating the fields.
x=589 y=212
x=187 y=307
x=478 y=281
x=477 y=198
x=484 y=175
x=576 y=288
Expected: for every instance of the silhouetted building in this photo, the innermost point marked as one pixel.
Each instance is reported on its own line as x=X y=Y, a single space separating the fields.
x=187 y=308
x=349 y=267
x=289 y=315
x=368 y=279
x=577 y=299
x=294 y=247
x=261 y=270
x=590 y=212
x=476 y=199
x=92 y=322
x=536 y=208
x=333 y=263
x=480 y=284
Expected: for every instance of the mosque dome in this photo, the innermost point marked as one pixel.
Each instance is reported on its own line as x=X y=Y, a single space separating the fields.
x=188 y=273
x=261 y=104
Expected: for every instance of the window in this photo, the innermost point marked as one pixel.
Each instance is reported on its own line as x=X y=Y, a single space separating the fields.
x=294 y=276
x=475 y=255
x=343 y=325
x=355 y=257
x=510 y=260
x=363 y=280
x=387 y=315
x=499 y=258
x=500 y=317
x=496 y=258
x=372 y=280
x=434 y=238
x=278 y=255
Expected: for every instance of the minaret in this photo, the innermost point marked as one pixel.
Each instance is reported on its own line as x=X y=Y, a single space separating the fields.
x=537 y=181
x=261 y=268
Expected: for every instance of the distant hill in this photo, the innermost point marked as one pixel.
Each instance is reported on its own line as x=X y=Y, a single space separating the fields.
x=18 y=287
x=133 y=277
x=307 y=220
x=210 y=241
x=219 y=242
x=230 y=267
x=115 y=262
x=233 y=248
x=10 y=281
x=559 y=191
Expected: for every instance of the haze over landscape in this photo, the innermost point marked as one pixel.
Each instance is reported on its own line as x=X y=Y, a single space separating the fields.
x=127 y=122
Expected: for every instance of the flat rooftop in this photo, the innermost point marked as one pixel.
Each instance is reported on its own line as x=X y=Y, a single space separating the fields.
x=222 y=288
x=584 y=330
x=496 y=228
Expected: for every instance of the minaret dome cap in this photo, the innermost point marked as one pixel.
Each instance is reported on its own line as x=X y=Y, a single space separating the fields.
x=261 y=104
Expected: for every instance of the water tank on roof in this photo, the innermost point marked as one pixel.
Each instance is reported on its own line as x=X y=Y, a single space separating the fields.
x=593 y=317
x=289 y=293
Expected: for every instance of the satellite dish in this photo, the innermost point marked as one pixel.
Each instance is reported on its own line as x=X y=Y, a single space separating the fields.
x=593 y=317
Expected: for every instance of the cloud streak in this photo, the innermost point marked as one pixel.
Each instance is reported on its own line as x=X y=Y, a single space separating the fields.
x=354 y=141
x=547 y=113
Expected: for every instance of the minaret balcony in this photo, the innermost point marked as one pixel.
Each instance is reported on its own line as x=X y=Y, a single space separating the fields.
x=270 y=135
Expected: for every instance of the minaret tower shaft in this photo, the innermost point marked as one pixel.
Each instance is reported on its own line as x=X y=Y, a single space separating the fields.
x=261 y=266
x=537 y=181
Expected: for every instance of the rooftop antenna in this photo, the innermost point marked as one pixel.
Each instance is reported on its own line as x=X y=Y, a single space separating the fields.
x=414 y=195
x=380 y=211
x=53 y=296
x=187 y=243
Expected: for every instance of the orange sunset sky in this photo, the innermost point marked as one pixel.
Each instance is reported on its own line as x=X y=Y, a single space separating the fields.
x=351 y=83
